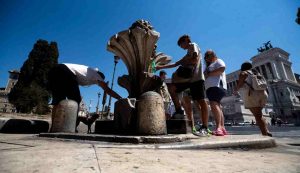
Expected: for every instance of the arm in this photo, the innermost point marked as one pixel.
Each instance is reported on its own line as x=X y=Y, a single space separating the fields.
x=109 y=91
x=216 y=72
x=166 y=66
x=241 y=80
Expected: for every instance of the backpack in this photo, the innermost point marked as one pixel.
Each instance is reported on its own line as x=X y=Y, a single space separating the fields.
x=258 y=82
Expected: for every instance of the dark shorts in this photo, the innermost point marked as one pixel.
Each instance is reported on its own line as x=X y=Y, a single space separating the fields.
x=63 y=84
x=197 y=89
x=215 y=94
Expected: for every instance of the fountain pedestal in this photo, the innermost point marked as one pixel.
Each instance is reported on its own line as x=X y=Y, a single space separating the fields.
x=151 y=119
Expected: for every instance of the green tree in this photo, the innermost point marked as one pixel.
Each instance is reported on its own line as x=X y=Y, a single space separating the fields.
x=30 y=93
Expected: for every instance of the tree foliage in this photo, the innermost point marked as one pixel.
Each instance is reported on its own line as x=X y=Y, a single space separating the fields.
x=30 y=94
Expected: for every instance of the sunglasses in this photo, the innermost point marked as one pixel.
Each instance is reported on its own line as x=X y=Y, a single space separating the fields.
x=208 y=56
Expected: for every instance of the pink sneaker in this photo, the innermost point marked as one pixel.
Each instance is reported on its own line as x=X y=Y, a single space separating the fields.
x=218 y=132
x=224 y=131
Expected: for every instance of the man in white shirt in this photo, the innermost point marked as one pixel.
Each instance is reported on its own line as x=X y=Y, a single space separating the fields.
x=64 y=81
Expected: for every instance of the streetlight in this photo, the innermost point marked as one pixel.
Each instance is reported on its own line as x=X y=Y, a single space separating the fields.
x=104 y=101
x=116 y=59
x=90 y=105
x=298 y=17
x=97 y=107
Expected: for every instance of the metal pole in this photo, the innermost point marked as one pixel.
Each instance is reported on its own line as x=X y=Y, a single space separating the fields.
x=104 y=101
x=112 y=82
x=97 y=107
x=90 y=106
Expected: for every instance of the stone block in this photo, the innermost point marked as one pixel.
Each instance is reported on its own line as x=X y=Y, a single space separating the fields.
x=23 y=126
x=151 y=114
x=124 y=116
x=105 y=127
x=179 y=126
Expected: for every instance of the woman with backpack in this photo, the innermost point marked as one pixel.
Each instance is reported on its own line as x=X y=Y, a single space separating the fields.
x=254 y=99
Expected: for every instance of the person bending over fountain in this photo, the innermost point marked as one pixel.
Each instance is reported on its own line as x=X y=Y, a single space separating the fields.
x=64 y=81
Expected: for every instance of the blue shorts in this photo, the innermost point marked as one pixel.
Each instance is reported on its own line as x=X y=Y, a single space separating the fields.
x=215 y=94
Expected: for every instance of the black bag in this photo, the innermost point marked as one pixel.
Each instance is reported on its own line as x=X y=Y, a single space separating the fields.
x=184 y=72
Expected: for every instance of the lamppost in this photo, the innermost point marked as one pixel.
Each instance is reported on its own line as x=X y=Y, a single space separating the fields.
x=116 y=59
x=298 y=17
x=103 y=101
x=90 y=105
x=97 y=107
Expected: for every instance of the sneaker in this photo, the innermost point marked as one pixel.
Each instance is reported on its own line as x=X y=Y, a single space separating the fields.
x=218 y=132
x=224 y=131
x=209 y=131
x=202 y=132
x=206 y=130
x=194 y=130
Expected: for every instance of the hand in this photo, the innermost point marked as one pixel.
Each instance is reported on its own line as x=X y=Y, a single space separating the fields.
x=205 y=73
x=158 y=68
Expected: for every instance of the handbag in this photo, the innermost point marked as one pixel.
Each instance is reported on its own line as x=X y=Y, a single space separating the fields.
x=184 y=72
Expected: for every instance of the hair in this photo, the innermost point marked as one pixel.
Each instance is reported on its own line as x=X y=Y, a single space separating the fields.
x=101 y=74
x=183 y=38
x=211 y=53
x=162 y=72
x=246 y=66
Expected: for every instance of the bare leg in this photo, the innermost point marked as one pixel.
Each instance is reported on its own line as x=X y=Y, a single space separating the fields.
x=261 y=122
x=217 y=112
x=203 y=108
x=174 y=96
x=222 y=117
x=187 y=106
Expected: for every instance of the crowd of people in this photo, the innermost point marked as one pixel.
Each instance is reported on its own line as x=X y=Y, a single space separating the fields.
x=192 y=81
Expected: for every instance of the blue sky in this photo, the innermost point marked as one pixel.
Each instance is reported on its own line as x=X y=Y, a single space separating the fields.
x=233 y=28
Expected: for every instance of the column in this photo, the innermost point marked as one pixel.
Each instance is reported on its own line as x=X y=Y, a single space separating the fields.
x=275 y=71
x=264 y=71
x=267 y=71
x=283 y=71
x=294 y=78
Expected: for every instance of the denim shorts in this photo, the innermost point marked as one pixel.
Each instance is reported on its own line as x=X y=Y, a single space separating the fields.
x=215 y=94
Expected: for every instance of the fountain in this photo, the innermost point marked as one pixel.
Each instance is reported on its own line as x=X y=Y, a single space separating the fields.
x=142 y=112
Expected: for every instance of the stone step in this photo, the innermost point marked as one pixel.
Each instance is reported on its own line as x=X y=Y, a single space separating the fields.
x=10 y=125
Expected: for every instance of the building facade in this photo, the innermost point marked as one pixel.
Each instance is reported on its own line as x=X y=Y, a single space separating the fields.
x=5 y=106
x=283 y=88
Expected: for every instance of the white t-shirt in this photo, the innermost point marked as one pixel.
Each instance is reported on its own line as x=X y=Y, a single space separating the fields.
x=85 y=75
x=216 y=81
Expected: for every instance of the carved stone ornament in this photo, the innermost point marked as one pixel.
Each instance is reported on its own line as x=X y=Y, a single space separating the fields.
x=136 y=47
